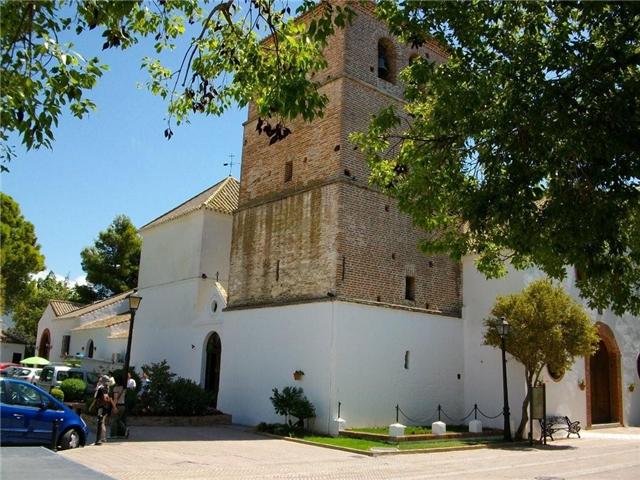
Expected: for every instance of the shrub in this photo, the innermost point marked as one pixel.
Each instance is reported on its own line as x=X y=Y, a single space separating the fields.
x=117 y=375
x=275 y=428
x=154 y=400
x=292 y=402
x=185 y=397
x=57 y=393
x=73 y=389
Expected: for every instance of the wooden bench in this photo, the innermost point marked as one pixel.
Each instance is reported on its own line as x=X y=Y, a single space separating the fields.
x=554 y=424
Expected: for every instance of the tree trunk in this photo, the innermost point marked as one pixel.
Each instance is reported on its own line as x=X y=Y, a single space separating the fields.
x=525 y=408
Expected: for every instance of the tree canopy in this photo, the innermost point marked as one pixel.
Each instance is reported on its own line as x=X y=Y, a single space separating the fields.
x=226 y=61
x=547 y=328
x=34 y=300
x=525 y=144
x=112 y=262
x=20 y=255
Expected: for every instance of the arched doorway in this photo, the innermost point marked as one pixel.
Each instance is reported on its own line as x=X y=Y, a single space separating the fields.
x=89 y=350
x=604 y=396
x=213 y=352
x=45 y=344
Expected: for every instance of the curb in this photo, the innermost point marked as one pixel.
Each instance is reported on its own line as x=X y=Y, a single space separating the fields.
x=398 y=452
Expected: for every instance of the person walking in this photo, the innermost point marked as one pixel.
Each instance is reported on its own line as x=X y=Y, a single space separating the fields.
x=104 y=405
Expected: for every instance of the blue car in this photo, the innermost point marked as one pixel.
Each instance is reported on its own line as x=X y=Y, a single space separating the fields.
x=28 y=413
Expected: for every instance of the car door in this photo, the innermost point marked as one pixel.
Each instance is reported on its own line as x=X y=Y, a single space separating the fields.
x=13 y=422
x=32 y=407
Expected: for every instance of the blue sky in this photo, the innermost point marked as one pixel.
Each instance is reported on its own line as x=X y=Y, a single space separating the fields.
x=115 y=161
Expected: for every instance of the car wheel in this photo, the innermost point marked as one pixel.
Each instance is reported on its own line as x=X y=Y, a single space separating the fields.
x=70 y=439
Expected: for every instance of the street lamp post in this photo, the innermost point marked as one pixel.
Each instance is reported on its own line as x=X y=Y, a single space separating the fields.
x=503 y=331
x=134 y=303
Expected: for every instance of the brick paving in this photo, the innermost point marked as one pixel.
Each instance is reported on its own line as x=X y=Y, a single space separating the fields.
x=231 y=453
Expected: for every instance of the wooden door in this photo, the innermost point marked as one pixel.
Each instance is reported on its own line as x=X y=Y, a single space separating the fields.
x=600 y=386
x=212 y=368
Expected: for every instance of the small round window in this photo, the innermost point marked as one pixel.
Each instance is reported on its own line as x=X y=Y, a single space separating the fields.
x=554 y=373
x=214 y=306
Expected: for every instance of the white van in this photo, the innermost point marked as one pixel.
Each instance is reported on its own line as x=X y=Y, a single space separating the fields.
x=53 y=376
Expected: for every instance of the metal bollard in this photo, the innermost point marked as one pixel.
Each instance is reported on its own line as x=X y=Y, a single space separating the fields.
x=99 y=431
x=54 y=435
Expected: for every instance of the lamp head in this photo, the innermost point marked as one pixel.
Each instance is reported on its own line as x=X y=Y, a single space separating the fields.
x=134 y=302
x=503 y=327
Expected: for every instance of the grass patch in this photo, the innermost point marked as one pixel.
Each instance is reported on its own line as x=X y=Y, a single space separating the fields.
x=366 y=445
x=411 y=430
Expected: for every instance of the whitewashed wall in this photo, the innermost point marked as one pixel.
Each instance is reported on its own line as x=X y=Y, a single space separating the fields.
x=8 y=349
x=171 y=251
x=104 y=348
x=483 y=380
x=176 y=317
x=216 y=246
x=370 y=374
x=350 y=353
x=173 y=324
x=57 y=329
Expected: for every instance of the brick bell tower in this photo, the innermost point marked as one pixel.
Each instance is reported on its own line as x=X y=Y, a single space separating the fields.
x=308 y=226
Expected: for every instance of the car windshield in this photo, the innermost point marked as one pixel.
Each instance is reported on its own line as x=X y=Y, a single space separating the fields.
x=47 y=374
x=76 y=374
x=22 y=372
x=21 y=394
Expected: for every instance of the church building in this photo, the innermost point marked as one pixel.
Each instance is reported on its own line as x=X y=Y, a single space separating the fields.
x=303 y=274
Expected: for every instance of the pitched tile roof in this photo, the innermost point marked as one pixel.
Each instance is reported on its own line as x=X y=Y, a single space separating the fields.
x=61 y=307
x=222 y=197
x=105 y=322
x=97 y=305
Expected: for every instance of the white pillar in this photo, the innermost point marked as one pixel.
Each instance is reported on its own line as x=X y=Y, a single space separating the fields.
x=438 y=428
x=396 y=430
x=336 y=426
x=475 y=426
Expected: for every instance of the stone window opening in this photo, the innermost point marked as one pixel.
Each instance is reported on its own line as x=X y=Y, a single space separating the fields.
x=410 y=288
x=288 y=171
x=386 y=60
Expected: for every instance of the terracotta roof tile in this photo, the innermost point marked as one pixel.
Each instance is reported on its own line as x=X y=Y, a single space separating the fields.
x=97 y=305
x=222 y=197
x=61 y=307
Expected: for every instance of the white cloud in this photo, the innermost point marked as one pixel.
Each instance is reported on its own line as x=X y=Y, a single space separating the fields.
x=81 y=280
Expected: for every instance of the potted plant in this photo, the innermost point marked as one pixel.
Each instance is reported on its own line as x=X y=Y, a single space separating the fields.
x=298 y=374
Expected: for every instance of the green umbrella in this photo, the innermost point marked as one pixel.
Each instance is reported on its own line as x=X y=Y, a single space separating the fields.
x=35 y=361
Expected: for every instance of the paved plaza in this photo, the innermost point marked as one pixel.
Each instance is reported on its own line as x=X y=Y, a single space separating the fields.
x=174 y=453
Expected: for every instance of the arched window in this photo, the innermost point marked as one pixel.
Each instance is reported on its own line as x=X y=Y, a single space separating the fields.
x=89 y=349
x=386 y=60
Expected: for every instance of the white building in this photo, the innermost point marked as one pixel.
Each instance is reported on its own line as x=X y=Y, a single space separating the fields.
x=96 y=333
x=294 y=244
x=12 y=347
